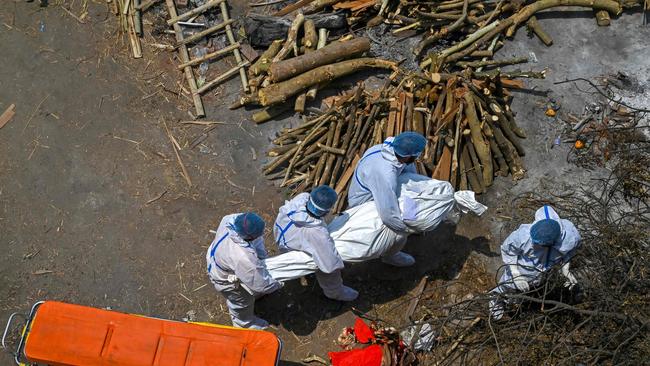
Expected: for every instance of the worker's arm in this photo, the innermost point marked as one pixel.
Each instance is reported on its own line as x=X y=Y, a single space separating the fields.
x=321 y=248
x=571 y=241
x=251 y=271
x=382 y=185
x=511 y=248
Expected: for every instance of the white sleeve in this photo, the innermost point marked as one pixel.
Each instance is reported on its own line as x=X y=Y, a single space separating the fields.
x=321 y=248
x=253 y=274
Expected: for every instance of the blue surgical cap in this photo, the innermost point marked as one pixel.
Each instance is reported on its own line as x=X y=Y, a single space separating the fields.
x=321 y=200
x=249 y=225
x=409 y=143
x=545 y=232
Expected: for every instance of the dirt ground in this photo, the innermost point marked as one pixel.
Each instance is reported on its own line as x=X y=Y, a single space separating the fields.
x=94 y=209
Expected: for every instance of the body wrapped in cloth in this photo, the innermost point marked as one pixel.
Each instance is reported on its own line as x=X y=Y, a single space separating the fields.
x=360 y=235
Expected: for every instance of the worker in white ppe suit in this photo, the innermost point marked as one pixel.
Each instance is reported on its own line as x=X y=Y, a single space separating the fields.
x=300 y=226
x=236 y=269
x=375 y=179
x=531 y=251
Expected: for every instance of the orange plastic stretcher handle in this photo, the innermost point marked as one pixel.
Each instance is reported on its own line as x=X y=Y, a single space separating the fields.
x=65 y=335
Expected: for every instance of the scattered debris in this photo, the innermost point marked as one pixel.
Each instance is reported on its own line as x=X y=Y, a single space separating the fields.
x=384 y=347
x=156 y=198
x=419 y=336
x=7 y=115
x=42 y=272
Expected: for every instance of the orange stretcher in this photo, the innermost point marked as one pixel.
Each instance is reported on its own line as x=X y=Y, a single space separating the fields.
x=61 y=334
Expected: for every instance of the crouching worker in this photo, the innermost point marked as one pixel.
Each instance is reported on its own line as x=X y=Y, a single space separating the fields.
x=300 y=226
x=375 y=179
x=236 y=269
x=531 y=251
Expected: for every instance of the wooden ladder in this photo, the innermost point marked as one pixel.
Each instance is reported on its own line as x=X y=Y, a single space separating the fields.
x=187 y=63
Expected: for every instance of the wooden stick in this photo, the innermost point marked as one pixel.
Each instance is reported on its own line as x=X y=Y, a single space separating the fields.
x=185 y=57
x=196 y=11
x=232 y=40
x=330 y=149
x=512 y=61
x=602 y=18
x=178 y=156
x=209 y=56
x=264 y=62
x=280 y=92
x=322 y=41
x=270 y=112
x=481 y=146
x=313 y=135
x=223 y=77
x=292 y=36
x=277 y=162
x=197 y=36
x=137 y=17
x=136 y=47
x=536 y=28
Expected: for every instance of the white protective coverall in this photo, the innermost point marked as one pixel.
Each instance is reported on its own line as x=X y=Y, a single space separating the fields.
x=375 y=179
x=237 y=270
x=296 y=229
x=526 y=263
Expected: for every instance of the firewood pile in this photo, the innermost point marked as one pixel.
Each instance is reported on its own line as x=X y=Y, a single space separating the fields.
x=473 y=27
x=471 y=131
x=279 y=82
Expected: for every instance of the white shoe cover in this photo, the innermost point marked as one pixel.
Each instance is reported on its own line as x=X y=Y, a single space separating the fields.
x=399 y=259
x=345 y=294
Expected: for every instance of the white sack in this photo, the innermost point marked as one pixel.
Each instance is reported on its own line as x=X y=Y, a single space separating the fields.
x=359 y=234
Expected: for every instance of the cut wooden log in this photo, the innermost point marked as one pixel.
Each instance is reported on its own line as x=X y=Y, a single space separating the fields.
x=482 y=147
x=602 y=18
x=292 y=36
x=270 y=112
x=322 y=41
x=311 y=36
x=536 y=28
x=264 y=62
x=262 y=30
x=331 y=53
x=472 y=176
x=280 y=92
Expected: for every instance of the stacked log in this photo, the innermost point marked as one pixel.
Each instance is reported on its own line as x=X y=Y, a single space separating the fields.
x=291 y=70
x=471 y=132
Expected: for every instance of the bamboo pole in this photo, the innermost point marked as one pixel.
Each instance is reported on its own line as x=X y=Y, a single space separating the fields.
x=185 y=57
x=200 y=35
x=209 y=56
x=232 y=40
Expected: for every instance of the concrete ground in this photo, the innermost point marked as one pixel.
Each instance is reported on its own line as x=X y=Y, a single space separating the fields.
x=84 y=163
